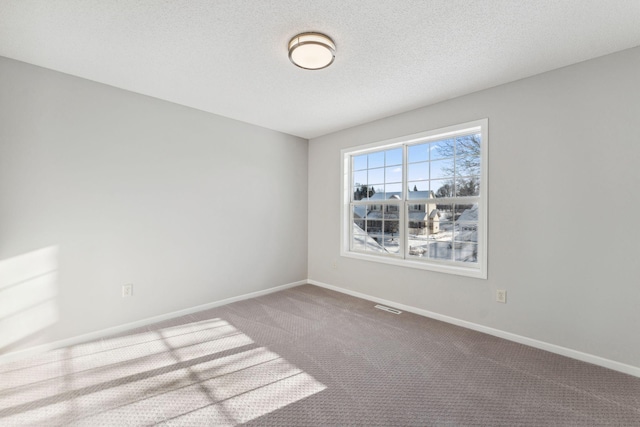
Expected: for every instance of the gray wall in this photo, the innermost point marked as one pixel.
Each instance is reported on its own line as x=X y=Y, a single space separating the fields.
x=189 y=207
x=563 y=202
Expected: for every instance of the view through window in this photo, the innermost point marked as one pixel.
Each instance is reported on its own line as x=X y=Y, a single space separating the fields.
x=421 y=200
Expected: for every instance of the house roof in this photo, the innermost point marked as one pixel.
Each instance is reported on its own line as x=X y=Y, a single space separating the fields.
x=469 y=214
x=360 y=211
x=398 y=195
x=381 y=215
x=417 y=216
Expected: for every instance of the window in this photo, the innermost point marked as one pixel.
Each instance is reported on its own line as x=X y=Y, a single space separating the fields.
x=419 y=201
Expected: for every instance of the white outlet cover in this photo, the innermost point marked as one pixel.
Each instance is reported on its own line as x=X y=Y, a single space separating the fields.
x=501 y=296
x=127 y=290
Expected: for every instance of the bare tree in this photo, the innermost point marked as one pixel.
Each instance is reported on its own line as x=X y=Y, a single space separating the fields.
x=446 y=190
x=466 y=150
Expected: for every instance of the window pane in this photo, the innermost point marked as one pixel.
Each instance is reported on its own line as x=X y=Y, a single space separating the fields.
x=392 y=245
x=359 y=178
x=359 y=212
x=359 y=162
x=359 y=226
x=439 y=230
x=418 y=219
x=442 y=169
x=467 y=212
x=421 y=223
x=364 y=242
x=446 y=216
x=373 y=225
x=442 y=188
x=393 y=157
x=418 y=246
x=440 y=249
x=466 y=252
x=468 y=186
x=468 y=155
x=393 y=174
x=418 y=171
x=468 y=165
x=418 y=190
x=393 y=190
x=391 y=213
x=367 y=223
x=362 y=192
x=442 y=149
x=418 y=153
x=468 y=145
x=376 y=160
x=376 y=176
x=391 y=238
x=445 y=223
x=466 y=232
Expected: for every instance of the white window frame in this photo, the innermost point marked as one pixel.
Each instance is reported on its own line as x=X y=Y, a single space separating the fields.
x=477 y=270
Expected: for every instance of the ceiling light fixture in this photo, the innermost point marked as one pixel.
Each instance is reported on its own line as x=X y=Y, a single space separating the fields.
x=312 y=51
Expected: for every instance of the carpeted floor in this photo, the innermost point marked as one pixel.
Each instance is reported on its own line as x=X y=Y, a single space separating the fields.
x=308 y=356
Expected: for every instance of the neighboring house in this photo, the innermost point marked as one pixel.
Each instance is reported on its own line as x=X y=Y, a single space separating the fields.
x=359 y=212
x=468 y=225
x=466 y=235
x=423 y=218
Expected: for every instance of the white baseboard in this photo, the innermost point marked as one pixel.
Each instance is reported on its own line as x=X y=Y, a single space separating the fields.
x=79 y=339
x=574 y=354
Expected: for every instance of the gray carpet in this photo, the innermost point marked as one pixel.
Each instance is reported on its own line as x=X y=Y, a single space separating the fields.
x=310 y=356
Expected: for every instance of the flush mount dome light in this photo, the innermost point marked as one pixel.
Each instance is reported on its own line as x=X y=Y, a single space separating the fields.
x=312 y=51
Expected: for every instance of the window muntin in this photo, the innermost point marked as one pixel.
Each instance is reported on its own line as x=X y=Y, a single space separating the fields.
x=380 y=172
x=423 y=203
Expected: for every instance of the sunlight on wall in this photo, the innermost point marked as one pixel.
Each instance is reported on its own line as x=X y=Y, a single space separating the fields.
x=28 y=291
x=201 y=373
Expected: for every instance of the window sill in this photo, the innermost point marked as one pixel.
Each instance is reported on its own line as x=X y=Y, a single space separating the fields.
x=430 y=266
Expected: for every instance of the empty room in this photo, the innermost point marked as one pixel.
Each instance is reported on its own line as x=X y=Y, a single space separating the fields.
x=319 y=213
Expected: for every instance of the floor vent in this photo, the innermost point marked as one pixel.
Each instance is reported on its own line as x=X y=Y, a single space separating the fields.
x=389 y=309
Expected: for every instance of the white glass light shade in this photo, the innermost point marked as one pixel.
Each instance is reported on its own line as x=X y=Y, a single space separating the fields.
x=312 y=51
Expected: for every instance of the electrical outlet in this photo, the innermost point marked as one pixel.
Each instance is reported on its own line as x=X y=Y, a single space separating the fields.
x=127 y=290
x=501 y=296
x=334 y=265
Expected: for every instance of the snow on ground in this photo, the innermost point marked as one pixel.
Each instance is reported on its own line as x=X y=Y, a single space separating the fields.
x=434 y=246
x=441 y=245
x=365 y=242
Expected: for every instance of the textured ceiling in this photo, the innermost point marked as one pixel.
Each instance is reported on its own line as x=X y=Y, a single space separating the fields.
x=229 y=56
